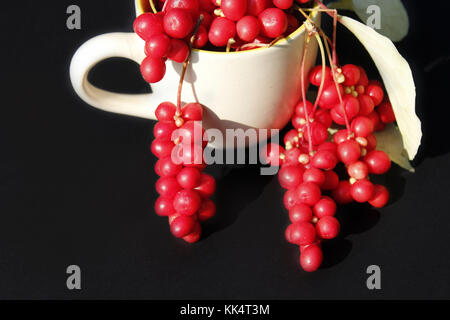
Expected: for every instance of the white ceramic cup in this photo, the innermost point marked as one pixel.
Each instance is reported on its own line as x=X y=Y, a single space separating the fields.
x=248 y=89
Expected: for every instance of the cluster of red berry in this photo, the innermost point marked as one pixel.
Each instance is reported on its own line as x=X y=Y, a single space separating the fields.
x=231 y=23
x=309 y=160
x=183 y=188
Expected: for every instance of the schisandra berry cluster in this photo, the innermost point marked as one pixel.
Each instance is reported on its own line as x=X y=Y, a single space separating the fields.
x=237 y=24
x=310 y=159
x=183 y=188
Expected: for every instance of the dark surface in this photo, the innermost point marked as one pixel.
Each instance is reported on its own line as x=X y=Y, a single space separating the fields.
x=76 y=186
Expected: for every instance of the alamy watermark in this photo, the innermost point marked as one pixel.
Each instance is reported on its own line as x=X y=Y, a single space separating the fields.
x=374 y=280
x=374 y=19
x=238 y=146
x=73 y=21
x=73 y=281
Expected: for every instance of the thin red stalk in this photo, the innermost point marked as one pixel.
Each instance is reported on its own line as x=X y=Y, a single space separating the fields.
x=185 y=64
x=302 y=72
x=322 y=81
x=333 y=71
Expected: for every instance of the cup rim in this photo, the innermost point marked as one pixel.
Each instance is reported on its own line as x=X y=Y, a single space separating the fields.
x=284 y=40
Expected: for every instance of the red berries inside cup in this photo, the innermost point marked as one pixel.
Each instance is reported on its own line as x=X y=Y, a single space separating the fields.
x=211 y=25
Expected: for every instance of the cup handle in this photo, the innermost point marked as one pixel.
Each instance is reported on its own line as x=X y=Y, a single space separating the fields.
x=119 y=44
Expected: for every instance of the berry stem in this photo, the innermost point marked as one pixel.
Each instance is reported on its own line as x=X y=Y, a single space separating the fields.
x=334 y=73
x=302 y=72
x=324 y=63
x=152 y=5
x=185 y=64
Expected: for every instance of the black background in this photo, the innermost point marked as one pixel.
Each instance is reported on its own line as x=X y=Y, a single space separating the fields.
x=77 y=185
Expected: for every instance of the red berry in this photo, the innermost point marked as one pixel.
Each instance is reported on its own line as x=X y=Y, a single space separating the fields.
x=373 y=116
x=362 y=191
x=358 y=170
x=352 y=74
x=363 y=79
x=182 y=226
x=330 y=96
x=342 y=193
x=248 y=28
x=157 y=46
x=158 y=167
x=191 y=133
x=325 y=207
x=319 y=133
x=192 y=6
x=147 y=25
x=292 y=137
x=328 y=227
x=188 y=178
x=351 y=107
x=201 y=37
x=337 y=117
x=283 y=4
x=153 y=69
x=255 y=7
x=207 y=210
x=192 y=111
x=221 y=31
x=291 y=157
x=378 y=162
x=380 y=196
x=301 y=233
x=324 y=117
x=308 y=193
x=164 y=129
x=366 y=105
x=371 y=142
x=362 y=126
x=325 y=160
x=195 y=235
x=315 y=75
x=314 y=175
x=311 y=257
x=188 y=155
x=162 y=148
x=207 y=5
x=165 y=111
x=207 y=18
x=167 y=187
x=300 y=213
x=178 y=23
x=348 y=151
x=293 y=24
x=386 y=112
x=207 y=185
x=376 y=93
x=328 y=146
x=164 y=206
x=187 y=202
x=290 y=176
x=331 y=181
x=300 y=108
x=167 y=168
x=179 y=51
x=290 y=199
x=234 y=9
x=270 y=154
x=340 y=136
x=273 y=22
